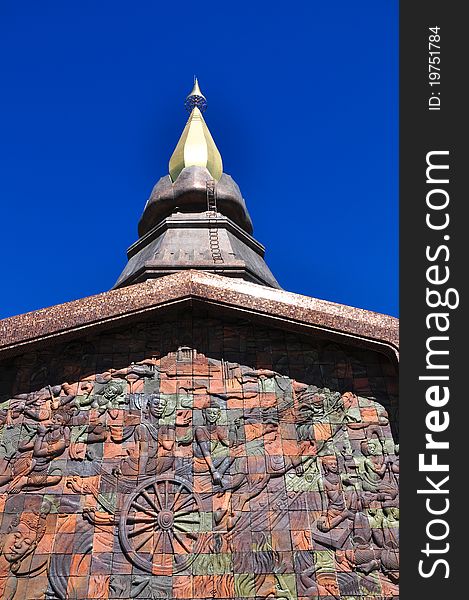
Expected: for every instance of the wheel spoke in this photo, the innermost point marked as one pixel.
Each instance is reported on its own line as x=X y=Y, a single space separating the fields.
x=181 y=513
x=185 y=502
x=170 y=541
x=195 y=519
x=132 y=519
x=156 y=543
x=150 y=501
x=176 y=497
x=140 y=530
x=144 y=541
x=142 y=508
x=181 y=542
x=157 y=495
x=190 y=534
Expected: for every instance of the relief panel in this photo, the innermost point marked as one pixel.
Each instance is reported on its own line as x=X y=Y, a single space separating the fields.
x=199 y=459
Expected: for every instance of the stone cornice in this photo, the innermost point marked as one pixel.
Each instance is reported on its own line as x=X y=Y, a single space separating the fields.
x=20 y=333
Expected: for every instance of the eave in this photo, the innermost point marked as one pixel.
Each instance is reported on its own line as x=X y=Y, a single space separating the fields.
x=215 y=293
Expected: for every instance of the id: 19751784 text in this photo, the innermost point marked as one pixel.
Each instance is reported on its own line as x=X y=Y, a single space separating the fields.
x=434 y=75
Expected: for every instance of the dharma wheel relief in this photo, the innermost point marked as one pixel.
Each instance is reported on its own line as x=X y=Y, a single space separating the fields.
x=228 y=462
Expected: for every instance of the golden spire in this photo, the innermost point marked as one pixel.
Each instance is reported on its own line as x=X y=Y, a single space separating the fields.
x=196 y=94
x=196 y=146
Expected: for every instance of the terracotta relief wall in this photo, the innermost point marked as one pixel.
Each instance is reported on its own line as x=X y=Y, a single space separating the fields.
x=198 y=459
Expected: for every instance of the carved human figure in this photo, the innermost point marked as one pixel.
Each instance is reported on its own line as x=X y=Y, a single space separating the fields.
x=313 y=589
x=154 y=442
x=390 y=552
x=221 y=452
x=80 y=390
x=23 y=535
x=376 y=468
x=385 y=534
x=384 y=525
x=337 y=508
x=311 y=403
x=30 y=466
x=11 y=410
x=94 y=431
x=9 y=439
x=110 y=396
x=390 y=524
x=213 y=441
x=135 y=374
x=212 y=456
x=328 y=411
x=36 y=405
x=362 y=556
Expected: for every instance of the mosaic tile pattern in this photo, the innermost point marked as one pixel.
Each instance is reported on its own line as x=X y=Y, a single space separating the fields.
x=199 y=459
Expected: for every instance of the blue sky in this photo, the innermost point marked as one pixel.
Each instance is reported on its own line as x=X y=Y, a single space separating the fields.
x=303 y=105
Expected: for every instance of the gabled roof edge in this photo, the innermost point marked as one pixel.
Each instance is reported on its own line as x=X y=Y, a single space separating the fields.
x=21 y=331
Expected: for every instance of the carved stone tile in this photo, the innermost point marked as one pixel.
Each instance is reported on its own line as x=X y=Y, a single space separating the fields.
x=199 y=459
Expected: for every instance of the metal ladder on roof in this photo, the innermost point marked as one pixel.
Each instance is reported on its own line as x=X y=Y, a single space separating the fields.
x=214 y=242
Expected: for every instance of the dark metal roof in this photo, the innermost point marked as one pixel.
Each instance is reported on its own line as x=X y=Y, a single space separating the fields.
x=196 y=223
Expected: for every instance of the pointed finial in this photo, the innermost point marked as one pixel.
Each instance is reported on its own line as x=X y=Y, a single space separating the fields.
x=196 y=146
x=196 y=98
